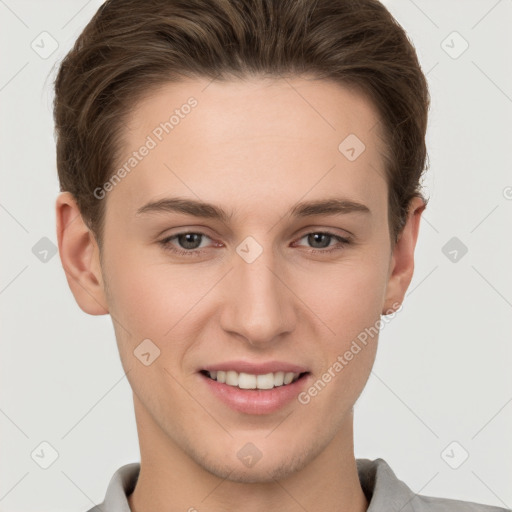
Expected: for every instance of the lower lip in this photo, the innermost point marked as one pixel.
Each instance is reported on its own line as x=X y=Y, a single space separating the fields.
x=256 y=401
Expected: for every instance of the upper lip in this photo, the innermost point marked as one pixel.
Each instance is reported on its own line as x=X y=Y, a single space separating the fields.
x=256 y=368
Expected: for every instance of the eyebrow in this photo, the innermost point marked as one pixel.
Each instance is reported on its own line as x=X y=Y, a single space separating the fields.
x=334 y=206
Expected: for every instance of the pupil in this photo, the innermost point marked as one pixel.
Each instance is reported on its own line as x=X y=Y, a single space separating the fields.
x=313 y=239
x=189 y=240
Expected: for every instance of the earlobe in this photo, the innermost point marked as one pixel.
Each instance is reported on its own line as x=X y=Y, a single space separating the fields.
x=79 y=255
x=402 y=260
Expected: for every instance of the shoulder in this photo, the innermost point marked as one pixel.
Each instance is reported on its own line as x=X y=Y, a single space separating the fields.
x=432 y=504
x=121 y=485
x=385 y=491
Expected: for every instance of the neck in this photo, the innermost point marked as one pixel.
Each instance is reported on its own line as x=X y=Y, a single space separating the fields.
x=171 y=481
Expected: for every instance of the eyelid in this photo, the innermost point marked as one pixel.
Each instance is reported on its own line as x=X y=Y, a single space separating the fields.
x=315 y=228
x=342 y=242
x=186 y=228
x=188 y=232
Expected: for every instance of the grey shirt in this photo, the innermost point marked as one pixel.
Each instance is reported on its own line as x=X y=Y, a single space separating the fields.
x=383 y=490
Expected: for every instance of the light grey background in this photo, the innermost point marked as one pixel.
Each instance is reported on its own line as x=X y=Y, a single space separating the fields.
x=442 y=373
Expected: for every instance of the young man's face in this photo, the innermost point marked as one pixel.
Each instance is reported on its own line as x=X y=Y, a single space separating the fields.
x=253 y=293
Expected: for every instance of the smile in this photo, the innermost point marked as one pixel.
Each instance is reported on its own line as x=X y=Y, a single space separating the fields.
x=255 y=389
x=244 y=380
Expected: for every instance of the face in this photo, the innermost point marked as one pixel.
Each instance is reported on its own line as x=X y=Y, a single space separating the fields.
x=273 y=280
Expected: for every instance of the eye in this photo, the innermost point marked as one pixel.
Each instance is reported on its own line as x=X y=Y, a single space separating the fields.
x=189 y=243
x=321 y=241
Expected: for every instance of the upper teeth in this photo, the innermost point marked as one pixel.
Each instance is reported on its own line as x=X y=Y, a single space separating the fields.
x=250 y=381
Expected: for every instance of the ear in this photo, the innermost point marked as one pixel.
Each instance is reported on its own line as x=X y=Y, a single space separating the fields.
x=79 y=254
x=401 y=266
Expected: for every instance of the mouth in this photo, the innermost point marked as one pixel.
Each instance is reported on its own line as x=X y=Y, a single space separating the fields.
x=242 y=380
x=255 y=389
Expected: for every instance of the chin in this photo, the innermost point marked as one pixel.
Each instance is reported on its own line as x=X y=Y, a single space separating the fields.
x=265 y=470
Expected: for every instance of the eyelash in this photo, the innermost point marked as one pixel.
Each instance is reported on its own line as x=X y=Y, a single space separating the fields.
x=165 y=243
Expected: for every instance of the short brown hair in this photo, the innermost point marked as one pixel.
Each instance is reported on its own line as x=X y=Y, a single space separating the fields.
x=132 y=46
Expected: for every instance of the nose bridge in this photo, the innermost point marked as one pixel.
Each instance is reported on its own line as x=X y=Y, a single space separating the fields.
x=259 y=305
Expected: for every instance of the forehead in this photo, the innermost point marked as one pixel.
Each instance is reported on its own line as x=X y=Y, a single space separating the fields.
x=271 y=140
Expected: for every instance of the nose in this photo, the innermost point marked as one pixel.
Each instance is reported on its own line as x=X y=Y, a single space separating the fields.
x=259 y=305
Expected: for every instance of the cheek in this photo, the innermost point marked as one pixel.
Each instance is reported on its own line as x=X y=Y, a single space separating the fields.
x=348 y=299
x=150 y=294
x=350 y=306
x=168 y=304
x=146 y=302
x=149 y=302
x=347 y=296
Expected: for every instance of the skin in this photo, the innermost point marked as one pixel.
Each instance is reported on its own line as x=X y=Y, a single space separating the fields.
x=256 y=148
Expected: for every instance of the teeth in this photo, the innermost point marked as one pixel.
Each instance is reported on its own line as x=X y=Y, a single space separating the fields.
x=246 y=381
x=265 y=381
x=231 y=378
x=288 y=377
x=278 y=379
x=250 y=381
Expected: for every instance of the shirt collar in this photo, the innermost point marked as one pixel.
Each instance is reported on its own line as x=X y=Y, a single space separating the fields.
x=383 y=490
